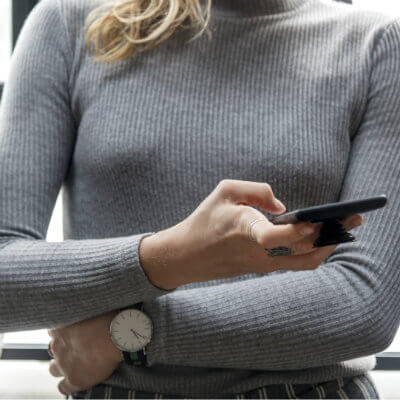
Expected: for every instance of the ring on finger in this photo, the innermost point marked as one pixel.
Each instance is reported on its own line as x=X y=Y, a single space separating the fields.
x=250 y=226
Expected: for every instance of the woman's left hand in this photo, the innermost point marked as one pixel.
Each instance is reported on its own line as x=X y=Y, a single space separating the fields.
x=83 y=353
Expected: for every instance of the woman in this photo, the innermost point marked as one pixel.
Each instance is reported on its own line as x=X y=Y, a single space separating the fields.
x=164 y=145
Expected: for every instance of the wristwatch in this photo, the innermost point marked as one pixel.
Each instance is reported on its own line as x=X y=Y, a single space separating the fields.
x=131 y=330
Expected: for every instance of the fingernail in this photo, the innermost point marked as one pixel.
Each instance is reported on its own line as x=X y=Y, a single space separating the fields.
x=279 y=204
x=308 y=230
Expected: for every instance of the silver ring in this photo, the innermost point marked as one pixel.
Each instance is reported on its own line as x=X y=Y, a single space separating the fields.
x=250 y=226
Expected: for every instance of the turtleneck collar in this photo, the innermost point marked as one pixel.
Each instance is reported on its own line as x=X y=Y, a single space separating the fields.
x=252 y=8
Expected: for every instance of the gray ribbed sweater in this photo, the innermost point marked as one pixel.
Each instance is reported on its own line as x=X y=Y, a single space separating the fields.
x=302 y=94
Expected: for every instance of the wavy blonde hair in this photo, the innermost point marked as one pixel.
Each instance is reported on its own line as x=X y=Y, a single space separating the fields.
x=118 y=29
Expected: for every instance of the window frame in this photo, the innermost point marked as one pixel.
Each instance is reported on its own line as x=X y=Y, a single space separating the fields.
x=20 y=10
x=386 y=361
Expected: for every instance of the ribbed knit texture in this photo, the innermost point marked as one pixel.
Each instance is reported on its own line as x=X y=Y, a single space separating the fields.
x=302 y=94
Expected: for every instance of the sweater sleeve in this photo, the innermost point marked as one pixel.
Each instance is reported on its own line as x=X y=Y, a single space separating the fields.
x=44 y=284
x=347 y=308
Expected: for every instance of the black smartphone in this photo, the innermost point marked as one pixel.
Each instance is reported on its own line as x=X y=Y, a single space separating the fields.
x=332 y=231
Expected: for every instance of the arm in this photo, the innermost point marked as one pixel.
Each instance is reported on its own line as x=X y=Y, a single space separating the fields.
x=42 y=284
x=349 y=307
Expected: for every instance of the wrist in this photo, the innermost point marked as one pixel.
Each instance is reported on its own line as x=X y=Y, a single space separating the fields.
x=112 y=351
x=156 y=256
x=118 y=355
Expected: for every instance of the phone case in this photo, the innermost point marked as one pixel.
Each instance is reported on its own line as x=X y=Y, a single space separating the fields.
x=332 y=231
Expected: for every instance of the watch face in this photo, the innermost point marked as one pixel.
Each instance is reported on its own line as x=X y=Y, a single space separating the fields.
x=131 y=330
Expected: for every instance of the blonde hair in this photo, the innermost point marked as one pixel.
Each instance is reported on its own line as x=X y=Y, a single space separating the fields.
x=118 y=29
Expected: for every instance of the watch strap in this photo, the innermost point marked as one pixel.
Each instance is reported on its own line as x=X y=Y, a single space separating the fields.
x=137 y=306
x=137 y=358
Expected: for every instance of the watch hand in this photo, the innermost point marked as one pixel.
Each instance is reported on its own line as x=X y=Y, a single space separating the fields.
x=136 y=333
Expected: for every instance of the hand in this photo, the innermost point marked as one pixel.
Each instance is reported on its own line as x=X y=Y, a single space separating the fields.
x=83 y=353
x=213 y=242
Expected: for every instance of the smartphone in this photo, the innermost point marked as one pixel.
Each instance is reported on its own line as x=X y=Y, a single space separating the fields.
x=323 y=212
x=332 y=231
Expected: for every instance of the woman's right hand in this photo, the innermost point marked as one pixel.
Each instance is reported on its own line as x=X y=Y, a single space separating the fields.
x=213 y=242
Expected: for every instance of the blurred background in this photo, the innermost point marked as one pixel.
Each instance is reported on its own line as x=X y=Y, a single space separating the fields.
x=24 y=353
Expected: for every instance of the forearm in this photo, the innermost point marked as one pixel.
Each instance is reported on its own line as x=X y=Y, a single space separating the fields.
x=48 y=284
x=279 y=322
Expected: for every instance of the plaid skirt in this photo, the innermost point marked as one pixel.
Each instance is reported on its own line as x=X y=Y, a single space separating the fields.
x=358 y=387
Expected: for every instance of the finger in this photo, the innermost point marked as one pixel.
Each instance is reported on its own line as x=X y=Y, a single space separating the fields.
x=348 y=223
x=351 y=222
x=57 y=347
x=307 y=244
x=62 y=388
x=55 y=369
x=303 y=261
x=291 y=236
x=323 y=253
x=66 y=388
x=269 y=235
x=250 y=193
x=51 y=332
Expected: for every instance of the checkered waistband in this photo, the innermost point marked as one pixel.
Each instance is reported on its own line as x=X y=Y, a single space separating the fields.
x=359 y=387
